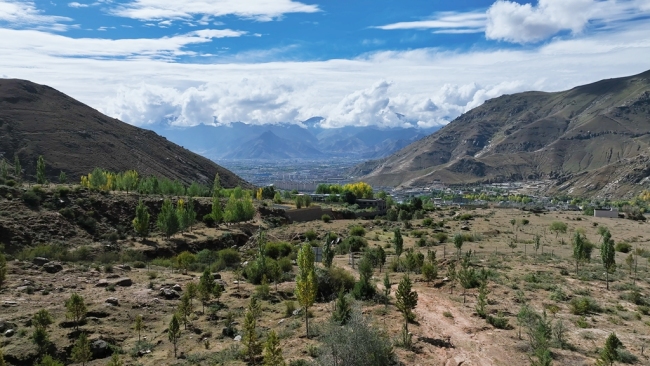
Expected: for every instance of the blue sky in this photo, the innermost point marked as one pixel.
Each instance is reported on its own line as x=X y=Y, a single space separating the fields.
x=386 y=63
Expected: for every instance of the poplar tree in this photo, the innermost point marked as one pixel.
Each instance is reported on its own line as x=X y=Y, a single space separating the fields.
x=216 y=187
x=208 y=288
x=17 y=167
x=398 y=241
x=608 y=254
x=217 y=210
x=609 y=353
x=4 y=170
x=40 y=170
x=141 y=220
x=167 y=220
x=306 y=285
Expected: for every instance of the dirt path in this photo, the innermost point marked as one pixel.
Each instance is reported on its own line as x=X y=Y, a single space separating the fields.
x=473 y=342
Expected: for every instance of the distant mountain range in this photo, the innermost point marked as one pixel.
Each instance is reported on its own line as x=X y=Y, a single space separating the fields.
x=291 y=141
x=592 y=139
x=75 y=138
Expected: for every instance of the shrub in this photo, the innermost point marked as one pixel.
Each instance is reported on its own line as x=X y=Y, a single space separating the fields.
x=139 y=264
x=331 y=280
x=441 y=237
x=352 y=244
x=31 y=199
x=623 y=247
x=427 y=222
x=255 y=273
x=230 y=257
x=326 y=218
x=87 y=223
x=209 y=220
x=311 y=235
x=584 y=305
x=289 y=308
x=277 y=250
x=498 y=321
x=285 y=264
x=357 y=230
x=358 y=343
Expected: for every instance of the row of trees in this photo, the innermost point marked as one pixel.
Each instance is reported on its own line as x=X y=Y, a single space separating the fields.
x=359 y=189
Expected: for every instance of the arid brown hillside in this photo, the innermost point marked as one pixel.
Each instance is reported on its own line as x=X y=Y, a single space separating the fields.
x=534 y=135
x=74 y=138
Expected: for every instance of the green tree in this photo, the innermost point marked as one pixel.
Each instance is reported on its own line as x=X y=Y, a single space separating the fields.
x=184 y=260
x=364 y=289
x=558 y=227
x=188 y=218
x=47 y=360
x=250 y=338
x=328 y=252
x=40 y=170
x=406 y=300
x=387 y=288
x=63 y=178
x=216 y=187
x=482 y=299
x=429 y=272
x=3 y=269
x=4 y=171
x=185 y=308
x=141 y=220
x=167 y=220
x=115 y=360
x=306 y=285
x=174 y=332
x=81 y=350
x=272 y=350
x=381 y=257
x=18 y=169
x=76 y=308
x=609 y=353
x=452 y=275
x=129 y=181
x=208 y=288
x=458 y=244
x=398 y=241
x=342 y=309
x=467 y=274
x=581 y=249
x=41 y=320
x=138 y=325
x=217 y=210
x=608 y=254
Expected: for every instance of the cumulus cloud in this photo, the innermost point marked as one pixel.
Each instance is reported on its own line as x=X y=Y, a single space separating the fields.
x=423 y=87
x=262 y=10
x=513 y=22
x=24 y=14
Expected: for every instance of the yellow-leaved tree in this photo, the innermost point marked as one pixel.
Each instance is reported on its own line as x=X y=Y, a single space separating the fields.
x=360 y=189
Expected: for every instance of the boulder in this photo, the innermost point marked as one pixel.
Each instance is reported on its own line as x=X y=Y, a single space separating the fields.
x=123 y=267
x=113 y=301
x=9 y=332
x=39 y=261
x=5 y=325
x=52 y=267
x=177 y=288
x=124 y=282
x=8 y=304
x=216 y=276
x=100 y=349
x=102 y=283
x=169 y=294
x=237 y=338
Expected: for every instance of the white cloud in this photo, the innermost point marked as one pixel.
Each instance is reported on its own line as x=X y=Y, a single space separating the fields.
x=472 y=22
x=24 y=14
x=75 y=4
x=426 y=86
x=519 y=23
x=527 y=23
x=57 y=45
x=262 y=10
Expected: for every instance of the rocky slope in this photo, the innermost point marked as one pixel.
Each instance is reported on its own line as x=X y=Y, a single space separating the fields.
x=586 y=137
x=74 y=138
